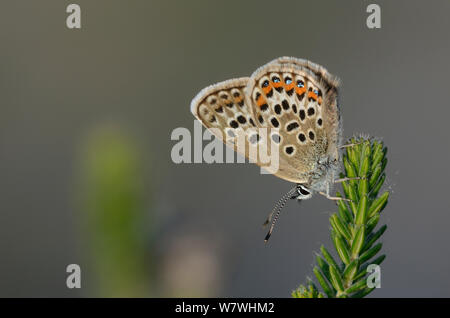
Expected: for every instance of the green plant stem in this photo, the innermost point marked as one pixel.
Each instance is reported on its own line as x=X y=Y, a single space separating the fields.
x=353 y=227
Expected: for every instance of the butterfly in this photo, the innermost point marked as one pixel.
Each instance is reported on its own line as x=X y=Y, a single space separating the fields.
x=297 y=102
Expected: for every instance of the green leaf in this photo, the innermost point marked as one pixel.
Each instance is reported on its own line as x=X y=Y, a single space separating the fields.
x=326 y=288
x=297 y=293
x=377 y=187
x=362 y=211
x=366 y=291
x=352 y=156
x=358 y=242
x=354 y=198
x=328 y=256
x=378 y=155
x=351 y=270
x=324 y=267
x=342 y=249
x=363 y=188
x=343 y=210
x=378 y=204
x=375 y=175
x=359 y=285
x=363 y=269
x=370 y=253
x=346 y=188
x=373 y=238
x=378 y=260
x=336 y=279
x=372 y=223
x=384 y=163
x=364 y=166
x=349 y=168
x=340 y=227
x=385 y=150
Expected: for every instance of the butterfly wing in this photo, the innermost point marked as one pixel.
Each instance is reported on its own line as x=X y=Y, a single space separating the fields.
x=299 y=98
x=225 y=110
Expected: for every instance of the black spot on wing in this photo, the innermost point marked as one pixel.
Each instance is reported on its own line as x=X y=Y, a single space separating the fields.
x=234 y=124
x=260 y=119
x=302 y=114
x=274 y=122
x=289 y=150
x=301 y=137
x=277 y=109
x=292 y=126
x=241 y=119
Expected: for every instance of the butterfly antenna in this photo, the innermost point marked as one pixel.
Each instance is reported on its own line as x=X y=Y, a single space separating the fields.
x=277 y=210
x=284 y=198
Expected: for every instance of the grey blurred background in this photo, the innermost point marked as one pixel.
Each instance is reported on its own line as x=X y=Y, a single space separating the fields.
x=121 y=84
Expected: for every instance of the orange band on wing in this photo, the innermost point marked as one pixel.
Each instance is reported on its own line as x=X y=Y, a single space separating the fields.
x=260 y=101
x=288 y=87
x=300 y=90
x=312 y=95
x=267 y=89
x=278 y=84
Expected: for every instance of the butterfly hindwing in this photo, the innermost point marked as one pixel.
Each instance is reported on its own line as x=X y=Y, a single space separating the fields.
x=225 y=110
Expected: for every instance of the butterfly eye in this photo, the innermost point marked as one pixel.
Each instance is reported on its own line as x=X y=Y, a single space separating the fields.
x=303 y=191
x=265 y=83
x=288 y=80
x=275 y=79
x=300 y=84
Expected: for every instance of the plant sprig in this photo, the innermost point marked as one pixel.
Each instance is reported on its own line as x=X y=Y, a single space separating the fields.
x=353 y=227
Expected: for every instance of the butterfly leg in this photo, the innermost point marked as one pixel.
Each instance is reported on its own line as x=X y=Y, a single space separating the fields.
x=347 y=179
x=333 y=198
x=329 y=197
x=350 y=145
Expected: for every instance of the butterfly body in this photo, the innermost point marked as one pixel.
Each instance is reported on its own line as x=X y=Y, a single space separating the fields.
x=296 y=101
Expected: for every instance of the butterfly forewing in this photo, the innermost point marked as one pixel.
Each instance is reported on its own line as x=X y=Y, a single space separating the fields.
x=329 y=84
x=297 y=100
